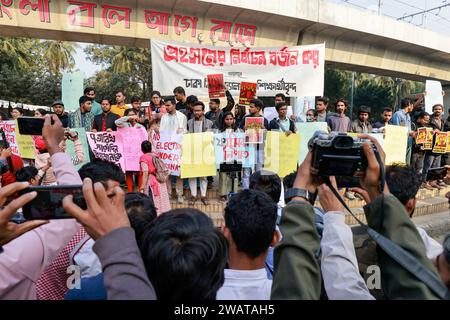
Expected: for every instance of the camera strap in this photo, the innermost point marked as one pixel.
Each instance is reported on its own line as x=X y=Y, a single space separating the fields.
x=393 y=250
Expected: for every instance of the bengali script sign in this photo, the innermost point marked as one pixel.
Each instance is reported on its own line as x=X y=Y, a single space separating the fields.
x=131 y=140
x=167 y=145
x=230 y=147
x=294 y=71
x=107 y=146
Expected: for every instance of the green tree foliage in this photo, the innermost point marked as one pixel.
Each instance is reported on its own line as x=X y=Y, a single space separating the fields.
x=129 y=63
x=107 y=83
x=338 y=84
x=374 y=95
x=31 y=69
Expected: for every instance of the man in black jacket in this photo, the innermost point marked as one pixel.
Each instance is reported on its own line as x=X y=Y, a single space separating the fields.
x=282 y=123
x=106 y=120
x=58 y=109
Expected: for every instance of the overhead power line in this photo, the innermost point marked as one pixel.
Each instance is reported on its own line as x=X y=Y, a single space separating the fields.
x=424 y=11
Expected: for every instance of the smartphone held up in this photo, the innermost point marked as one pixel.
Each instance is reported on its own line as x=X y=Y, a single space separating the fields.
x=48 y=202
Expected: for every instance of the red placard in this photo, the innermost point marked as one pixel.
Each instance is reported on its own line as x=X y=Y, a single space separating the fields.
x=216 y=86
x=248 y=92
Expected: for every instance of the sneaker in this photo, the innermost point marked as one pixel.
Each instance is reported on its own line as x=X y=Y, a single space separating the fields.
x=204 y=201
x=180 y=199
x=192 y=201
x=349 y=195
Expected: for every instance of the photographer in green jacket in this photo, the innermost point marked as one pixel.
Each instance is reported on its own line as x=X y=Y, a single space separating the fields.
x=297 y=271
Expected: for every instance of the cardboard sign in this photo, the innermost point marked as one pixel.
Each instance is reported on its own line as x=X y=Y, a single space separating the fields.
x=306 y=132
x=448 y=141
x=440 y=144
x=428 y=145
x=197 y=155
x=131 y=140
x=247 y=93
x=21 y=145
x=421 y=135
x=395 y=144
x=216 y=86
x=281 y=153
x=271 y=113
x=230 y=147
x=434 y=95
x=167 y=145
x=107 y=146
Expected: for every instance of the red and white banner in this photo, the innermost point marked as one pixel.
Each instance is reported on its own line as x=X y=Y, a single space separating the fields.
x=294 y=71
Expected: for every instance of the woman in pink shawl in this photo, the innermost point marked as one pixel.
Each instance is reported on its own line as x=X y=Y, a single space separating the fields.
x=151 y=186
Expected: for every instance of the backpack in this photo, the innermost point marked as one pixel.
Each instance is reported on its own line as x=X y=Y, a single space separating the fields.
x=162 y=173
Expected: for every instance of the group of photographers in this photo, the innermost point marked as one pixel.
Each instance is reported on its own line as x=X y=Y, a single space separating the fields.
x=180 y=255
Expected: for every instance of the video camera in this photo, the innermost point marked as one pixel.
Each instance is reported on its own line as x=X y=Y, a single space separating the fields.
x=337 y=154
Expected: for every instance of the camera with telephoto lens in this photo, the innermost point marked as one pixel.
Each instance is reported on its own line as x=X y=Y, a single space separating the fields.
x=337 y=154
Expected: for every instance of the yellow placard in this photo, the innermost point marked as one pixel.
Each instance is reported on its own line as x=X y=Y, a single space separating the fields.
x=25 y=144
x=440 y=144
x=395 y=144
x=197 y=155
x=448 y=141
x=281 y=153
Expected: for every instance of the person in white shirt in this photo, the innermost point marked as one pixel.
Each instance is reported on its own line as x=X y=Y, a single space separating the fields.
x=174 y=120
x=250 y=231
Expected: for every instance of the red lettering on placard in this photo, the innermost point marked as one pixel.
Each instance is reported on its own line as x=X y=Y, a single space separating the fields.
x=41 y=5
x=157 y=20
x=284 y=57
x=113 y=14
x=76 y=9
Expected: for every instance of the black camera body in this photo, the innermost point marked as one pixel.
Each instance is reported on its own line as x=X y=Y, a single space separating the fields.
x=337 y=154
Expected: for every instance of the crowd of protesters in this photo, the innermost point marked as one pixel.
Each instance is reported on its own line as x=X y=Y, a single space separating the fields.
x=273 y=245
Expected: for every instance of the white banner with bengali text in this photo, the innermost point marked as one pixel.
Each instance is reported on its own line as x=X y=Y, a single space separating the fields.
x=294 y=71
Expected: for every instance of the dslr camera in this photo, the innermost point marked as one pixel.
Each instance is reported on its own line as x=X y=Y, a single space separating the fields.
x=337 y=154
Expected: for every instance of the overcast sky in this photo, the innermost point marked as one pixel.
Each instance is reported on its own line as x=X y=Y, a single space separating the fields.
x=437 y=20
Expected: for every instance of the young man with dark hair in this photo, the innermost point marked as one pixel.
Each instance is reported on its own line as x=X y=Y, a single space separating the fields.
x=184 y=255
x=174 y=120
x=402 y=118
x=418 y=154
x=30 y=174
x=96 y=108
x=362 y=124
x=267 y=182
x=120 y=106
x=321 y=107
x=215 y=113
x=136 y=105
x=180 y=96
x=279 y=97
x=106 y=120
x=255 y=111
x=282 y=123
x=196 y=125
x=250 y=231
x=189 y=110
x=82 y=117
x=58 y=109
x=339 y=122
x=52 y=285
x=386 y=118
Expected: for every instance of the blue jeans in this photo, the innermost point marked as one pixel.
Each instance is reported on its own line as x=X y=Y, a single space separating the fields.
x=430 y=161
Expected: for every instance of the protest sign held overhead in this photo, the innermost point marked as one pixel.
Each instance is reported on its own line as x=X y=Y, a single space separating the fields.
x=294 y=71
x=247 y=93
x=216 y=86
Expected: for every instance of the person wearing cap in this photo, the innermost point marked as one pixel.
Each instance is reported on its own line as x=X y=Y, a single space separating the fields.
x=362 y=124
x=58 y=109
